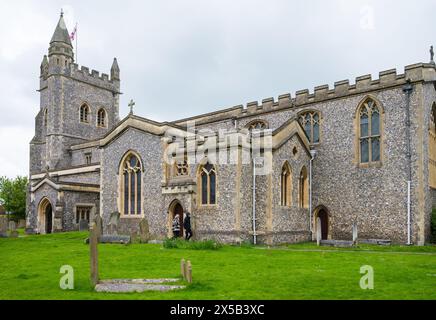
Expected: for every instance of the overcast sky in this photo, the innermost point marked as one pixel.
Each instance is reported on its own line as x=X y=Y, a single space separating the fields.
x=180 y=58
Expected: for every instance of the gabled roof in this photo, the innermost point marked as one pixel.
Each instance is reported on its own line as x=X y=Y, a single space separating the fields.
x=66 y=186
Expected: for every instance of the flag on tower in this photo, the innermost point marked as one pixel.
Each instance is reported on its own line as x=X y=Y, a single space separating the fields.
x=73 y=34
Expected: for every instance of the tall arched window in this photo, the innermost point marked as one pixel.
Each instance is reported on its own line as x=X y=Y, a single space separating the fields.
x=207 y=184
x=45 y=117
x=84 y=113
x=310 y=122
x=432 y=147
x=286 y=185
x=369 y=132
x=304 y=188
x=101 y=118
x=130 y=185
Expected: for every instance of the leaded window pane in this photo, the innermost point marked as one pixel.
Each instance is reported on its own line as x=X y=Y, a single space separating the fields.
x=364 y=132
x=126 y=192
x=212 y=187
x=364 y=151
x=375 y=149
x=203 y=188
x=316 y=133
x=132 y=193
x=375 y=124
x=138 y=197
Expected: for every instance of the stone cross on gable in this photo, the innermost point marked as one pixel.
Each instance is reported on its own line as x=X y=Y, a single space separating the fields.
x=131 y=105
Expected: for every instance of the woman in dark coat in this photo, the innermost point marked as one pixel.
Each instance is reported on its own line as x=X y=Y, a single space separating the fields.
x=187 y=226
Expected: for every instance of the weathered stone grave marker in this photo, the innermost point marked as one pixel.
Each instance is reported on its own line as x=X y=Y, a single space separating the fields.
x=3 y=227
x=355 y=233
x=318 y=231
x=144 y=231
x=189 y=272
x=183 y=268
x=113 y=223
x=93 y=250
x=13 y=233
x=83 y=225
x=98 y=225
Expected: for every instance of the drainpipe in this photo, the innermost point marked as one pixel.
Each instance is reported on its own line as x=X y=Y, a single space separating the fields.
x=254 y=201
x=408 y=89
x=313 y=154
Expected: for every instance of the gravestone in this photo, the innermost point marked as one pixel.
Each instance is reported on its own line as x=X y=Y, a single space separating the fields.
x=98 y=225
x=115 y=239
x=189 y=272
x=21 y=223
x=12 y=225
x=183 y=268
x=93 y=250
x=3 y=227
x=144 y=231
x=113 y=223
x=318 y=231
x=83 y=225
x=354 y=233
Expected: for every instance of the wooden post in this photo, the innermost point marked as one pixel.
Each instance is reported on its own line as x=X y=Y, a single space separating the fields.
x=189 y=272
x=183 y=268
x=93 y=248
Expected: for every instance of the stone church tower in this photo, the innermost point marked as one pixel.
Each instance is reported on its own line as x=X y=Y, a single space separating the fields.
x=76 y=106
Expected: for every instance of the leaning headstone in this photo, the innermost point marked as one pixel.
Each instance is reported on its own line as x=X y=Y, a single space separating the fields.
x=189 y=272
x=318 y=231
x=144 y=231
x=83 y=225
x=3 y=227
x=354 y=233
x=93 y=250
x=113 y=223
x=183 y=268
x=98 y=225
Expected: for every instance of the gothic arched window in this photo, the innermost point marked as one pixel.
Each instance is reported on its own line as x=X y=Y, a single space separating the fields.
x=310 y=122
x=84 y=113
x=304 y=188
x=207 y=184
x=286 y=185
x=257 y=125
x=101 y=118
x=130 y=185
x=369 y=132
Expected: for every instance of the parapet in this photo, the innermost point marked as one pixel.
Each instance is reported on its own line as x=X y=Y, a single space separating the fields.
x=363 y=84
x=94 y=78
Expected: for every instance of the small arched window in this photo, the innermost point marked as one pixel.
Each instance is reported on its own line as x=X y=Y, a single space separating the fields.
x=101 y=118
x=304 y=188
x=257 y=125
x=369 y=132
x=130 y=185
x=84 y=113
x=310 y=121
x=207 y=184
x=45 y=117
x=286 y=185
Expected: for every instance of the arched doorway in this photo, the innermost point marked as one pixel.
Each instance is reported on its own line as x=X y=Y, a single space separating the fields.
x=323 y=214
x=176 y=209
x=45 y=217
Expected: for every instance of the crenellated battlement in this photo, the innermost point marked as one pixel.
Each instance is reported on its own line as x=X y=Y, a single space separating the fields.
x=362 y=84
x=94 y=77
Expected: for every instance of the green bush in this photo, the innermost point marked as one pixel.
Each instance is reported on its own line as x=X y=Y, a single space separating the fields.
x=191 y=245
x=433 y=226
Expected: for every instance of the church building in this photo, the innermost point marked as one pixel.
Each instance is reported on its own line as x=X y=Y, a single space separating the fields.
x=358 y=154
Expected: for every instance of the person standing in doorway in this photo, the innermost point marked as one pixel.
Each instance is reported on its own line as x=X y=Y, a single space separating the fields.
x=176 y=226
x=187 y=226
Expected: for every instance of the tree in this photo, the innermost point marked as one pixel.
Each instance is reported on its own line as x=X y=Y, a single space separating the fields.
x=13 y=196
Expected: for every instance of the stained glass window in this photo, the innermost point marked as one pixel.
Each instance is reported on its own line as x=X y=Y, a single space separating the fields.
x=310 y=121
x=131 y=186
x=208 y=184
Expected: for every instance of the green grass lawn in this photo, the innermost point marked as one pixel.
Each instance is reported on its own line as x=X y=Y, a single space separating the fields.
x=29 y=269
